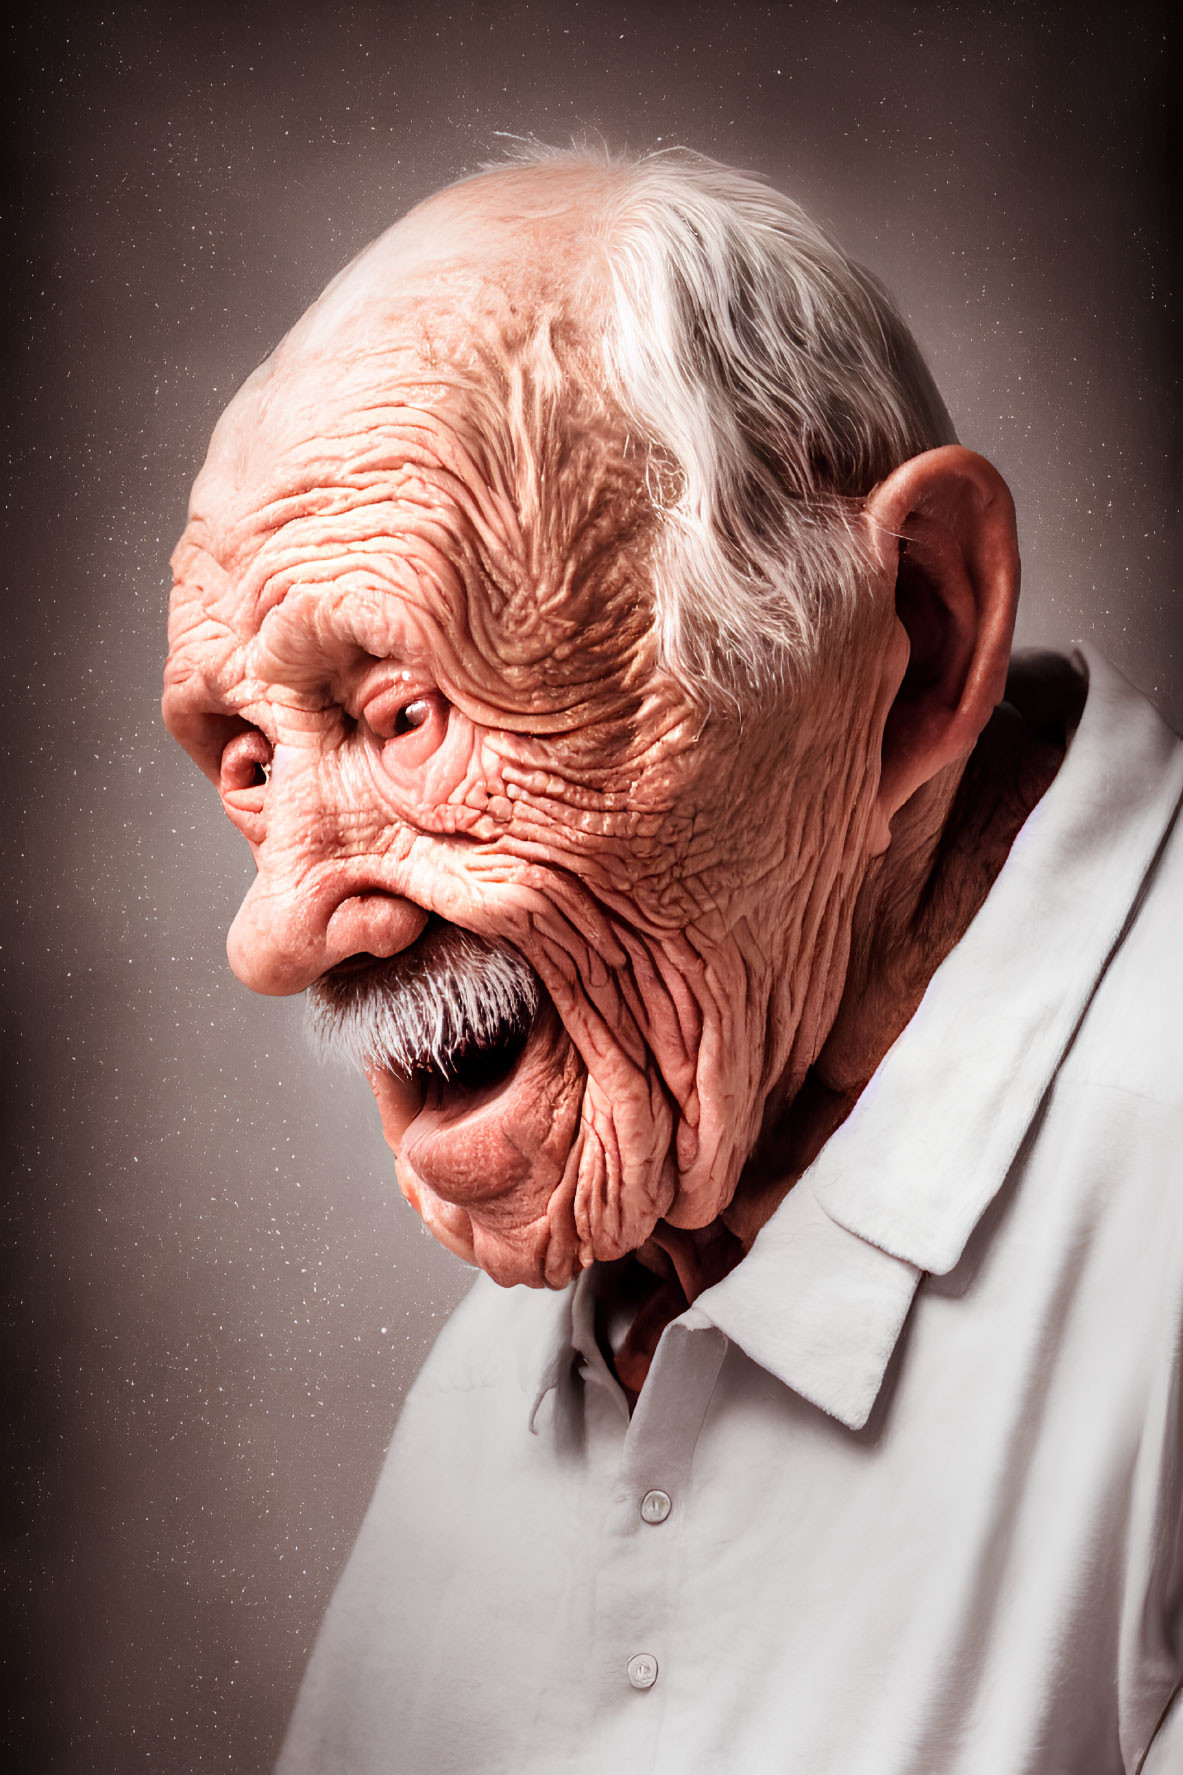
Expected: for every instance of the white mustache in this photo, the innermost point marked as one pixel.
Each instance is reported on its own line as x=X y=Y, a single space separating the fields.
x=449 y=993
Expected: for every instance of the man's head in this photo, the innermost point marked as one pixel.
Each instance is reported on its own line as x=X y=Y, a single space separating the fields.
x=545 y=621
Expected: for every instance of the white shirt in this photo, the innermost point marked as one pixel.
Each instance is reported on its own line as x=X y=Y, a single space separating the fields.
x=920 y=1450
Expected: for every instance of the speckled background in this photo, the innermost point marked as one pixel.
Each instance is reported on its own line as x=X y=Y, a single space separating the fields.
x=216 y=1295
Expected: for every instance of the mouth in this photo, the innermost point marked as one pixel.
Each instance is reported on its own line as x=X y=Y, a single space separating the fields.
x=482 y=1150
x=479 y=1087
x=443 y=1031
x=474 y=1065
x=451 y=1010
x=449 y=1088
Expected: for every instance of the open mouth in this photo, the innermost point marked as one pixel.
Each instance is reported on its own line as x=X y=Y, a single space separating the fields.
x=477 y=1081
x=477 y=1063
x=480 y=1090
x=451 y=1015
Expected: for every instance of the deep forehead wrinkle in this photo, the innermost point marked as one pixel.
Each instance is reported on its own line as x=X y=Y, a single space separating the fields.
x=523 y=488
x=393 y=468
x=454 y=304
x=319 y=432
x=490 y=413
x=482 y=308
x=440 y=418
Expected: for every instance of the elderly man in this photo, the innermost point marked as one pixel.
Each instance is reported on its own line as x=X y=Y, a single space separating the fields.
x=592 y=625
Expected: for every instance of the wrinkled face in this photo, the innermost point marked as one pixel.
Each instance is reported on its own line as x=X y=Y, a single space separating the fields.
x=410 y=642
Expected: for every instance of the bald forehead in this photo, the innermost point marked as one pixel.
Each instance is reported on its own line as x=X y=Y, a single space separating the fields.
x=471 y=284
x=511 y=215
x=437 y=427
x=526 y=242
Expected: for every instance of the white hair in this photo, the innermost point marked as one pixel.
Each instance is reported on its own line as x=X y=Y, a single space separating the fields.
x=774 y=383
x=426 y=1008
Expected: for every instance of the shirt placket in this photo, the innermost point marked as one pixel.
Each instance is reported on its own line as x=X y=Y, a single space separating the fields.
x=646 y=1466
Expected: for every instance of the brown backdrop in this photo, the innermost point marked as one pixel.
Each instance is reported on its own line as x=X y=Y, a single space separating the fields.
x=216 y=1296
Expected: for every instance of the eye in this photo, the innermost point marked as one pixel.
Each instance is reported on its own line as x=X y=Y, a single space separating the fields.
x=411 y=716
x=410 y=721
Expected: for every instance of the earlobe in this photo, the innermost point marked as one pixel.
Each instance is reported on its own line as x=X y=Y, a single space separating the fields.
x=945 y=522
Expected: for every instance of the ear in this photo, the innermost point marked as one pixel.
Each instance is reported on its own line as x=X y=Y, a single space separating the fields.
x=944 y=523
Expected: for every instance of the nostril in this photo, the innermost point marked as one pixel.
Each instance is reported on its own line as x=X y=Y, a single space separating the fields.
x=356 y=964
x=245 y=769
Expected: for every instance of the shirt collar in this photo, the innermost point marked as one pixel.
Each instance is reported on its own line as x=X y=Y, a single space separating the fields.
x=821 y=1298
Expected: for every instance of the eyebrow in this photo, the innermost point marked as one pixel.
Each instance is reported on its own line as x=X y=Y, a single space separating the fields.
x=316 y=636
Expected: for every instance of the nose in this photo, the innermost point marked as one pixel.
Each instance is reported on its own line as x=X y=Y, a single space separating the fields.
x=309 y=908
x=283 y=940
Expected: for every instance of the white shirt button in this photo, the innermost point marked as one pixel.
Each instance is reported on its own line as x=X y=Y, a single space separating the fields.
x=656 y=1506
x=642 y=1670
